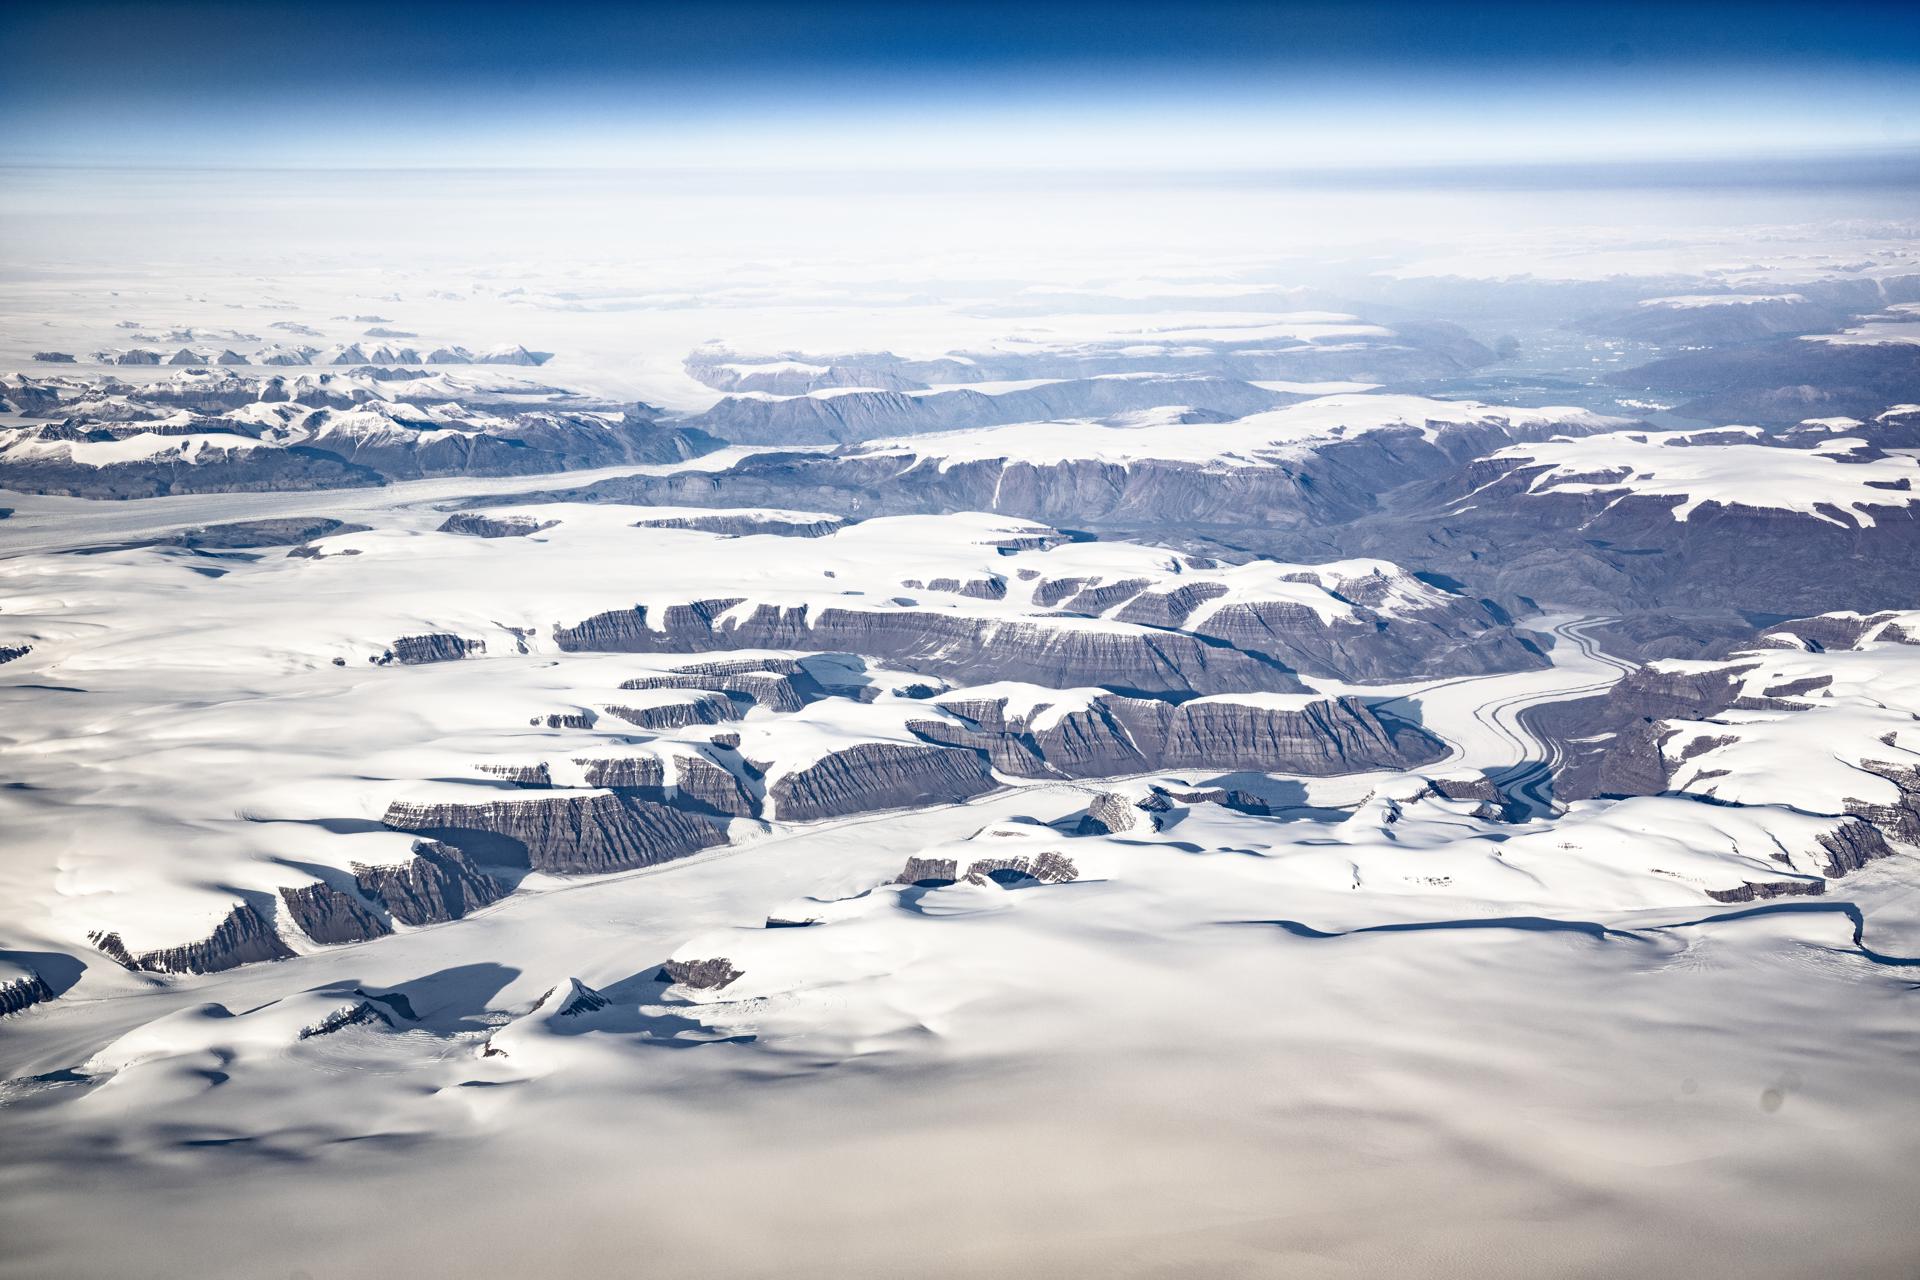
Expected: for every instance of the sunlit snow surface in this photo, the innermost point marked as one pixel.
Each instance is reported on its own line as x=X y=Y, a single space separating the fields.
x=1374 y=1031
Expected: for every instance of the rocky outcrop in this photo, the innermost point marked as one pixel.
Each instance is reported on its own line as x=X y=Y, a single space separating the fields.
x=701 y=975
x=1758 y=891
x=1044 y=868
x=778 y=684
x=1114 y=736
x=969 y=650
x=243 y=937
x=867 y=415
x=564 y=834
x=699 y=785
x=475 y=525
x=1226 y=797
x=361 y=1013
x=1107 y=815
x=521 y=775
x=934 y=873
x=879 y=775
x=437 y=646
x=328 y=916
x=705 y=787
x=694 y=708
x=928 y=873
x=438 y=883
x=23 y=991
x=1851 y=846
x=740 y=524
x=11 y=652
x=1613 y=744
x=1901 y=819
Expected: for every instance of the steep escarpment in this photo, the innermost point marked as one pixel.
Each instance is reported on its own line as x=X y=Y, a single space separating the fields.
x=564 y=834
x=1058 y=651
x=878 y=775
x=1613 y=745
x=856 y=415
x=437 y=646
x=21 y=989
x=1107 y=735
x=438 y=883
x=328 y=915
x=242 y=937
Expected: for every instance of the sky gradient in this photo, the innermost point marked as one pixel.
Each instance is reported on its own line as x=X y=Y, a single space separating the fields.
x=938 y=86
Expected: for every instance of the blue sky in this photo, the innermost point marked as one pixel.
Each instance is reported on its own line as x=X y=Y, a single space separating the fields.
x=931 y=86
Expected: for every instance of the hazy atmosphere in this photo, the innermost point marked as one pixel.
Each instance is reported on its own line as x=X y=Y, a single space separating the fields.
x=959 y=640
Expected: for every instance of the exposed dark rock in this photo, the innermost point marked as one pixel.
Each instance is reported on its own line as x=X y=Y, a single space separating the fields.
x=521 y=775
x=1108 y=814
x=701 y=975
x=777 y=684
x=954 y=647
x=705 y=787
x=438 y=883
x=572 y=999
x=10 y=652
x=867 y=415
x=361 y=1013
x=630 y=772
x=1901 y=819
x=1851 y=846
x=1117 y=735
x=242 y=938
x=565 y=834
x=478 y=526
x=327 y=915
x=1755 y=891
x=438 y=646
x=738 y=524
x=879 y=775
x=697 y=708
x=928 y=873
x=1045 y=868
x=23 y=992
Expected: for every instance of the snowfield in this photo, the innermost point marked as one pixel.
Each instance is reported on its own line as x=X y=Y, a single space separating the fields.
x=474 y=816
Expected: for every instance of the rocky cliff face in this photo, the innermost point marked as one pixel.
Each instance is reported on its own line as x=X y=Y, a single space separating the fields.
x=1108 y=814
x=23 y=992
x=566 y=834
x=243 y=937
x=327 y=915
x=475 y=525
x=1901 y=819
x=871 y=415
x=437 y=646
x=778 y=684
x=438 y=883
x=1116 y=735
x=695 y=708
x=702 y=975
x=739 y=524
x=1613 y=745
x=964 y=650
x=879 y=775
x=699 y=785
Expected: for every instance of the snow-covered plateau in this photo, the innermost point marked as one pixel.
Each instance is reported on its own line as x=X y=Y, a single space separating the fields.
x=1146 y=765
